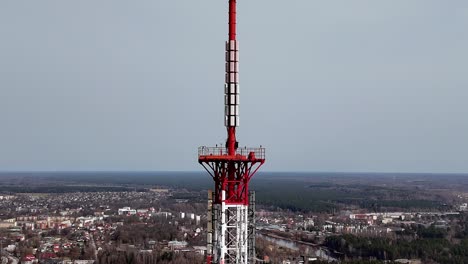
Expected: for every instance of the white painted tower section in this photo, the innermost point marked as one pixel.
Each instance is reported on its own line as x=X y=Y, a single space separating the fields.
x=230 y=233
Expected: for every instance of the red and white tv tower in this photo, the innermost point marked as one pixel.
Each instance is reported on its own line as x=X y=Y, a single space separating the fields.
x=231 y=207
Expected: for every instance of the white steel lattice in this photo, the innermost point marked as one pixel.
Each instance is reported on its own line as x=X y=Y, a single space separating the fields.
x=230 y=234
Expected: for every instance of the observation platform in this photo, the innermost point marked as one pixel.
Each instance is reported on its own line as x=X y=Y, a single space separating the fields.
x=210 y=154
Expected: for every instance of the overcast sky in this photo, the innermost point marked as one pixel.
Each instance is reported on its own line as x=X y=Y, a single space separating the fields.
x=325 y=85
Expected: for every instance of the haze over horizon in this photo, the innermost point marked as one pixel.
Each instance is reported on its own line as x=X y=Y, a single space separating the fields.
x=325 y=86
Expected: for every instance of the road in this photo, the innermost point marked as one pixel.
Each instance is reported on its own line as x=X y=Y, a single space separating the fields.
x=93 y=246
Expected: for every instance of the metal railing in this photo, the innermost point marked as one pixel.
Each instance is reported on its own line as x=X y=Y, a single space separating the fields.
x=219 y=151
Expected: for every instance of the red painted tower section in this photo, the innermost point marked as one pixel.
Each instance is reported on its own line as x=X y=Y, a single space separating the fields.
x=231 y=168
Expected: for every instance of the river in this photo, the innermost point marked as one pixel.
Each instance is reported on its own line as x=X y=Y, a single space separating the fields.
x=319 y=252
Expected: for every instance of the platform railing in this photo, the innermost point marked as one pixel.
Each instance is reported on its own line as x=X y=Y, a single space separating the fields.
x=220 y=151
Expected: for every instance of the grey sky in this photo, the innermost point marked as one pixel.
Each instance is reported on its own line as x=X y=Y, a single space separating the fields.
x=325 y=85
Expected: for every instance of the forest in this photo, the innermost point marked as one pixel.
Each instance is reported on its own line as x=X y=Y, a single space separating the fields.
x=301 y=192
x=430 y=244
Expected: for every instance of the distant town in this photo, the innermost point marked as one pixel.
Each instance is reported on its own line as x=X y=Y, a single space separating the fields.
x=167 y=224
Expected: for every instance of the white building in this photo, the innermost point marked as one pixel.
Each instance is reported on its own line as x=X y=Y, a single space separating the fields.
x=176 y=244
x=127 y=211
x=464 y=207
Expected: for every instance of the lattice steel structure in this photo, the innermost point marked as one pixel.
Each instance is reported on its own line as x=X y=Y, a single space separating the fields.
x=231 y=215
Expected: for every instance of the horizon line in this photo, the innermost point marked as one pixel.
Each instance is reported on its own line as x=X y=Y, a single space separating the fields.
x=201 y=171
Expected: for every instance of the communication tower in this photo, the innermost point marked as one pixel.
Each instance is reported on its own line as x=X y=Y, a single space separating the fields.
x=231 y=207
